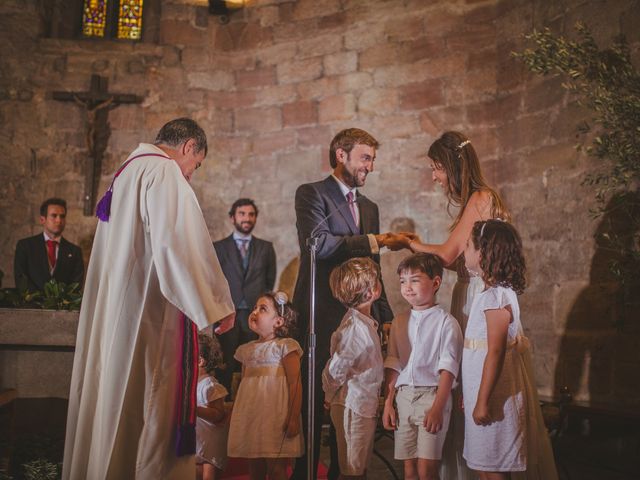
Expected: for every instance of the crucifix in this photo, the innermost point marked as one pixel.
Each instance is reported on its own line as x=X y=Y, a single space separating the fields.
x=97 y=102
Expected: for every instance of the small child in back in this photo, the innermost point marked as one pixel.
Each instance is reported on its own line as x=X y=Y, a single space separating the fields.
x=423 y=361
x=504 y=430
x=352 y=378
x=211 y=421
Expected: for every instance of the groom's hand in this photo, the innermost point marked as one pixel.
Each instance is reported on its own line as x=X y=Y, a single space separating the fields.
x=396 y=241
x=380 y=239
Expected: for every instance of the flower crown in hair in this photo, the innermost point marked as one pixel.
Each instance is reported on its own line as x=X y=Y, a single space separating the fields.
x=462 y=144
x=281 y=299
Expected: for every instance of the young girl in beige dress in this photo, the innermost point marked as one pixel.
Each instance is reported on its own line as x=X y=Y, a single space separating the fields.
x=265 y=423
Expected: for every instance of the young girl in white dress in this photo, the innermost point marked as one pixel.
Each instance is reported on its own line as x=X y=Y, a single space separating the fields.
x=265 y=423
x=211 y=422
x=504 y=429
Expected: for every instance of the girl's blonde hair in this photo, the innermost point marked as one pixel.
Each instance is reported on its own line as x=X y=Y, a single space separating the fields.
x=454 y=153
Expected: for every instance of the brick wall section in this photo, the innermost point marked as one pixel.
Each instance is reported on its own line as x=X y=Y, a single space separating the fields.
x=275 y=84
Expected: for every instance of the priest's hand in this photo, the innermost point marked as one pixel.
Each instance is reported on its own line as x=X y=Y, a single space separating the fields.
x=226 y=324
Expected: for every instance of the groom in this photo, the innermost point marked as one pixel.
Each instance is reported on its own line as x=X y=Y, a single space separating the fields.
x=347 y=225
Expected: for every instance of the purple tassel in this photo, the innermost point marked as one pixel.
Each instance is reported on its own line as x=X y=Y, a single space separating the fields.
x=103 y=210
x=186 y=440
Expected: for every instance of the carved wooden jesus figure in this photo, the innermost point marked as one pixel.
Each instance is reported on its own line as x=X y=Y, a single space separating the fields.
x=97 y=102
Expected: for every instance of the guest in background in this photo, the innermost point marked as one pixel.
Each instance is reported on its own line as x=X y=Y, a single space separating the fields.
x=48 y=255
x=249 y=265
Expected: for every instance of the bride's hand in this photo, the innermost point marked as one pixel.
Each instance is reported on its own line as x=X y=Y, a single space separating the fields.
x=411 y=236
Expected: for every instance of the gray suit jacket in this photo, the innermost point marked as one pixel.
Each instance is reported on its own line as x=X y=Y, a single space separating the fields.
x=261 y=271
x=322 y=205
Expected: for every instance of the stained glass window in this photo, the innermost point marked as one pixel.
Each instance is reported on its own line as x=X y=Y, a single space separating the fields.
x=94 y=18
x=121 y=19
x=130 y=19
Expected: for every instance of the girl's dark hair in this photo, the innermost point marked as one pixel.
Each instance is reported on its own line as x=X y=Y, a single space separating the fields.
x=454 y=153
x=501 y=256
x=210 y=350
x=286 y=311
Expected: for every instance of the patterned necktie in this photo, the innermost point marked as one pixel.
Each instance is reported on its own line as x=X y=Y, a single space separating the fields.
x=352 y=207
x=51 y=253
x=243 y=246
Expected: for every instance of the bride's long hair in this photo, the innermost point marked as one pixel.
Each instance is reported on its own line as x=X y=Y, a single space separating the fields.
x=454 y=153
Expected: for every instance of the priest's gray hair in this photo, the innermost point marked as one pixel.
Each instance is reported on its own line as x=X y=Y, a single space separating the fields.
x=178 y=131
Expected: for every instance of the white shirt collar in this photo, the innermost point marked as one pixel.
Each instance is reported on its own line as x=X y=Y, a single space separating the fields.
x=344 y=188
x=420 y=314
x=47 y=237
x=241 y=236
x=368 y=320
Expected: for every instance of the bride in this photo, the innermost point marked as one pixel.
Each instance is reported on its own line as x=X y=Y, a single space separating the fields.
x=455 y=166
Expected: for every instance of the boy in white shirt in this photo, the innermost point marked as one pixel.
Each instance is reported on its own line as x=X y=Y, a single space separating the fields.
x=423 y=361
x=353 y=375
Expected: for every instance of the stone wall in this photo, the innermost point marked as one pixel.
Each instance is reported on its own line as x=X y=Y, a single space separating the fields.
x=274 y=85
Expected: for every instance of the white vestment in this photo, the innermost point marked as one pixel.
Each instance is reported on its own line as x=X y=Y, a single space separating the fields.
x=152 y=259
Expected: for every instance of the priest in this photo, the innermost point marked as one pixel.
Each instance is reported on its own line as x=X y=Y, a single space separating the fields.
x=153 y=278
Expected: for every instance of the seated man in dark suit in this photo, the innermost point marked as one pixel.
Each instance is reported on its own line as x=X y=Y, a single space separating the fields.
x=48 y=255
x=249 y=265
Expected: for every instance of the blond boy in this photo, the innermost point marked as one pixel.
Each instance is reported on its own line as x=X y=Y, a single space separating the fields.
x=353 y=375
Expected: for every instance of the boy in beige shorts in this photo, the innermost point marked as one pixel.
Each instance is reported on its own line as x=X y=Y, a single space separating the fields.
x=353 y=375
x=423 y=361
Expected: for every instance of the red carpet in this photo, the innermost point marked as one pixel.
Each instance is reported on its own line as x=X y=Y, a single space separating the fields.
x=237 y=469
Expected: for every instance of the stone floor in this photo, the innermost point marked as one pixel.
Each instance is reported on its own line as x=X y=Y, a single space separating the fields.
x=587 y=452
x=579 y=457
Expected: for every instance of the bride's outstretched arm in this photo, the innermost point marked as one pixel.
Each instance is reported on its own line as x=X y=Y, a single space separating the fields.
x=478 y=208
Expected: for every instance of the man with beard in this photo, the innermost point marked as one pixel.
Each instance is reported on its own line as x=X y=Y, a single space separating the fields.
x=249 y=264
x=347 y=225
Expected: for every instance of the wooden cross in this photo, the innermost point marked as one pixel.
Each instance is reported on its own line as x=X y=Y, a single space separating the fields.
x=97 y=102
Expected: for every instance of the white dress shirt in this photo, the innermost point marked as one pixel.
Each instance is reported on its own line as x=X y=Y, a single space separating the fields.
x=353 y=375
x=423 y=343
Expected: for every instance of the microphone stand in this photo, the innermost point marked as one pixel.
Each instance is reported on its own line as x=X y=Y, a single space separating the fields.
x=312 y=243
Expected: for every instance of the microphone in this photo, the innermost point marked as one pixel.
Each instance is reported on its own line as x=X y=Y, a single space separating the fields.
x=331 y=214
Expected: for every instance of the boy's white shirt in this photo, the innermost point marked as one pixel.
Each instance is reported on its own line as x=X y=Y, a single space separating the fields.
x=353 y=375
x=422 y=343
